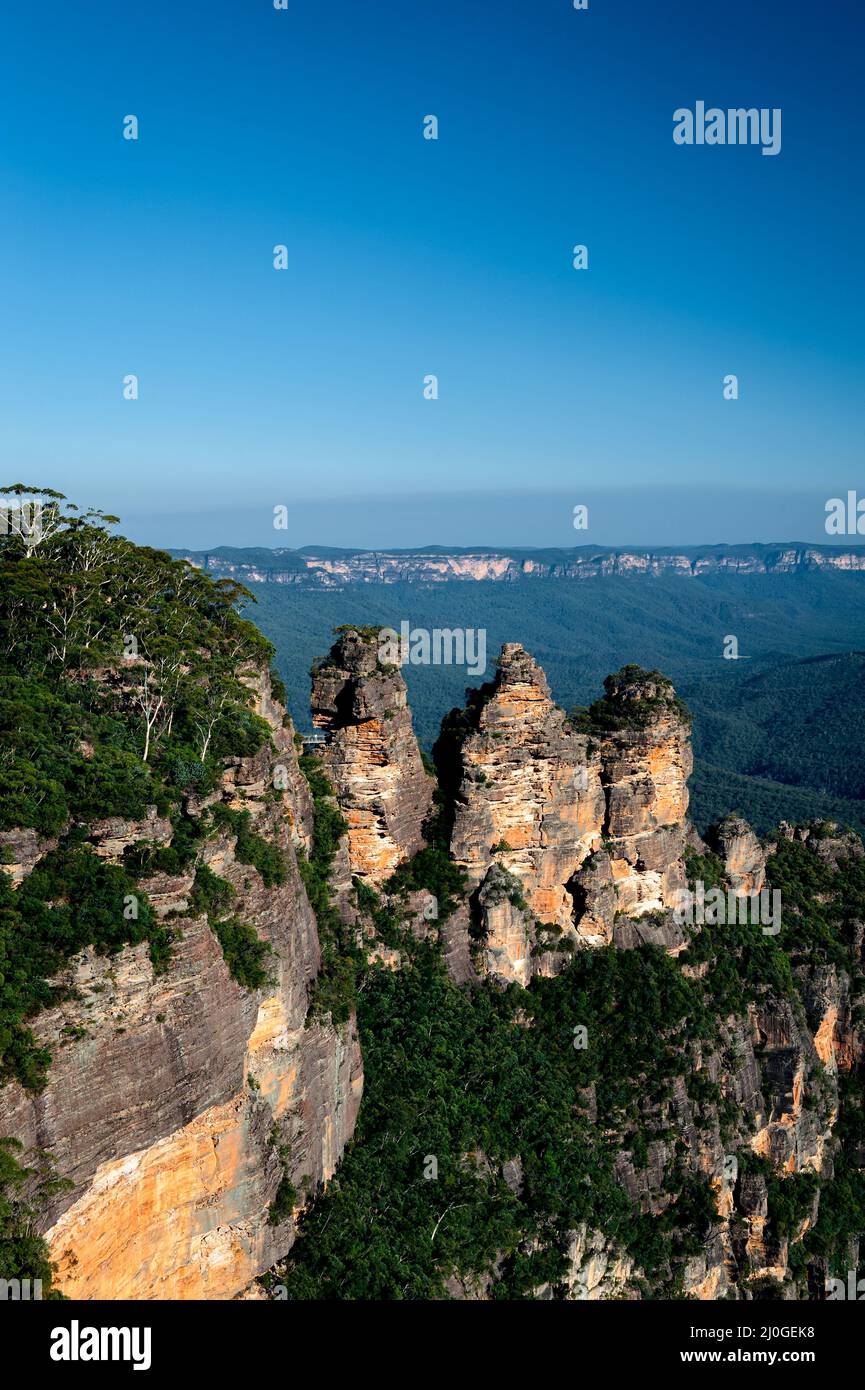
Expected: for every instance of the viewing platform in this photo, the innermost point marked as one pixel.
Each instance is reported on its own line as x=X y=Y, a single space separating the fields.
x=315 y=741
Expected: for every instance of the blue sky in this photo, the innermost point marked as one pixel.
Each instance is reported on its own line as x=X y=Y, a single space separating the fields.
x=409 y=257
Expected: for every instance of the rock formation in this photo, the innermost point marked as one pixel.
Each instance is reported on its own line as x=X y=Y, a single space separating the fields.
x=743 y=856
x=646 y=764
x=371 y=755
x=531 y=794
x=587 y=822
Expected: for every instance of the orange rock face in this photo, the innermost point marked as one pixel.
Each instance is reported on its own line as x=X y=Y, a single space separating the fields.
x=174 y=1099
x=588 y=824
x=743 y=855
x=647 y=761
x=170 y=1221
x=372 y=756
x=530 y=798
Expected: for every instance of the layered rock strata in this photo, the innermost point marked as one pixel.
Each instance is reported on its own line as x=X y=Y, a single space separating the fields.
x=647 y=761
x=336 y=569
x=587 y=823
x=178 y=1103
x=529 y=812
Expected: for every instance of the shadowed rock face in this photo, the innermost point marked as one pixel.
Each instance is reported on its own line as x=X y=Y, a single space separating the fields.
x=372 y=756
x=172 y=1099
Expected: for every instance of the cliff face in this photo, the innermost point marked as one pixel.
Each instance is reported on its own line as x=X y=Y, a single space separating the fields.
x=371 y=755
x=586 y=832
x=558 y=830
x=768 y=1075
x=178 y=1102
x=338 y=568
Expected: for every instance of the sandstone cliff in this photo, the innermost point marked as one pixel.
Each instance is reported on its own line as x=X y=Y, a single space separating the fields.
x=198 y=1118
x=335 y=569
x=647 y=760
x=582 y=822
x=178 y=1105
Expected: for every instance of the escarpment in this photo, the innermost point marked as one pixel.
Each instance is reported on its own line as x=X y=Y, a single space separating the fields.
x=336 y=569
x=371 y=754
x=573 y=836
x=192 y=1114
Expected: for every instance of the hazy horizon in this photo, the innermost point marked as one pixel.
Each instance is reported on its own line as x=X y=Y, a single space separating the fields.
x=496 y=520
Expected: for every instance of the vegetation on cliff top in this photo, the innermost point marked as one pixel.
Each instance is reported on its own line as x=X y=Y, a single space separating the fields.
x=121 y=675
x=632 y=699
x=123 y=688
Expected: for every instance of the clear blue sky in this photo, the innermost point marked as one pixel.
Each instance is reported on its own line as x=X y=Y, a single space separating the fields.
x=409 y=257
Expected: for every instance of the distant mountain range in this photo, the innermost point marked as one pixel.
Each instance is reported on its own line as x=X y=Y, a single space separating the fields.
x=325 y=567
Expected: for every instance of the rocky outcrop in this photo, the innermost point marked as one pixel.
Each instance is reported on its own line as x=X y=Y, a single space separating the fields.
x=529 y=797
x=371 y=755
x=596 y=1269
x=647 y=761
x=829 y=841
x=508 y=928
x=743 y=856
x=589 y=822
x=21 y=850
x=178 y=1103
